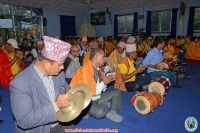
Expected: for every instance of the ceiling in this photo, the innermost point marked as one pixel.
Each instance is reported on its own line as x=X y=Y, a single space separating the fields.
x=76 y=6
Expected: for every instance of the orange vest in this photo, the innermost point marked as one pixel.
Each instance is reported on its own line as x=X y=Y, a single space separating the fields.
x=86 y=57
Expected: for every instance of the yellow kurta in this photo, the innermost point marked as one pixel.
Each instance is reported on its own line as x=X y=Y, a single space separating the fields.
x=124 y=69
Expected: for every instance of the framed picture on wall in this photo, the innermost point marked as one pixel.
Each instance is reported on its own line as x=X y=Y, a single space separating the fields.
x=98 y=18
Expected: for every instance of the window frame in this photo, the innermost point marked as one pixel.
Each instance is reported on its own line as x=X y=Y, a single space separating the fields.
x=196 y=31
x=121 y=33
x=160 y=21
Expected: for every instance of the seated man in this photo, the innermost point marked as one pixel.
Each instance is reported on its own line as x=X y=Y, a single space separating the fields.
x=154 y=58
x=72 y=63
x=83 y=48
x=38 y=49
x=39 y=92
x=109 y=45
x=92 y=45
x=101 y=44
x=10 y=62
x=126 y=72
x=116 y=56
x=104 y=103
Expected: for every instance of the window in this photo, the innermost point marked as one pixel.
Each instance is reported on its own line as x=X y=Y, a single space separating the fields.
x=161 y=21
x=4 y=9
x=197 y=20
x=25 y=20
x=125 y=24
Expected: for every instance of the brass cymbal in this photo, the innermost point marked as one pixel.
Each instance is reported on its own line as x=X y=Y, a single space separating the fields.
x=84 y=91
x=73 y=110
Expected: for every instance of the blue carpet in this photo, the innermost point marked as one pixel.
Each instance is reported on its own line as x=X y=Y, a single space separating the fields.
x=179 y=104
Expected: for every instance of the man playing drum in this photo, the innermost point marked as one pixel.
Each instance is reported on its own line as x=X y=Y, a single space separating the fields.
x=154 y=58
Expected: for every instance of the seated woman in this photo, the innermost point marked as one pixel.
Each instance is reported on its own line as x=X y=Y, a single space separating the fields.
x=126 y=72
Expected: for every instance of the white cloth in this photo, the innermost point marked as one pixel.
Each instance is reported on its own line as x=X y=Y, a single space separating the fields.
x=131 y=47
x=34 y=53
x=100 y=87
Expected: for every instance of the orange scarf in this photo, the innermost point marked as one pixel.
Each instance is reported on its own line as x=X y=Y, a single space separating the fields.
x=86 y=57
x=119 y=83
x=85 y=75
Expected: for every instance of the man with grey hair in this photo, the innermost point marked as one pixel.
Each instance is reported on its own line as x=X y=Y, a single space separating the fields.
x=72 y=63
x=116 y=56
x=104 y=103
x=101 y=44
x=126 y=71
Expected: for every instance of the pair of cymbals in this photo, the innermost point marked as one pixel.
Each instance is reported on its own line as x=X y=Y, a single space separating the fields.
x=80 y=97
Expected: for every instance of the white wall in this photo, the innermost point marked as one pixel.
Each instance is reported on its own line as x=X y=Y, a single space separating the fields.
x=53 y=18
x=53 y=22
x=104 y=30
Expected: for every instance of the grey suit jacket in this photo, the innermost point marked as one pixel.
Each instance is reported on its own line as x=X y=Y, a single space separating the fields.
x=31 y=106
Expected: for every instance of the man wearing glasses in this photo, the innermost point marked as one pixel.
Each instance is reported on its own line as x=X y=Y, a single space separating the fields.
x=72 y=63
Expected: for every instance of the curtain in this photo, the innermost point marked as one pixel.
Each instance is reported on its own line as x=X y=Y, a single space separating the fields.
x=191 y=21
x=135 y=23
x=148 y=23
x=115 y=27
x=174 y=22
x=67 y=25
